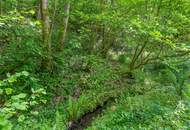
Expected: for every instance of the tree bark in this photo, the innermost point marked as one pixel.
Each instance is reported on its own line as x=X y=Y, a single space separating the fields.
x=65 y=21
x=39 y=12
x=46 y=31
x=1 y=7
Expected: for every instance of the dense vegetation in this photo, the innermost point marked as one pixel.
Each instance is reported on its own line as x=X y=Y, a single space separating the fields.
x=94 y=64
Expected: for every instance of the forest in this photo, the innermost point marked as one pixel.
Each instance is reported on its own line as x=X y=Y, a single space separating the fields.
x=94 y=64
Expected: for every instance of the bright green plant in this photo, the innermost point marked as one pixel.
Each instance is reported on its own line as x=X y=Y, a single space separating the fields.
x=5 y=124
x=19 y=94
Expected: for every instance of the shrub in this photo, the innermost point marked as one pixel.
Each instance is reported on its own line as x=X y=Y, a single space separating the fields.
x=19 y=94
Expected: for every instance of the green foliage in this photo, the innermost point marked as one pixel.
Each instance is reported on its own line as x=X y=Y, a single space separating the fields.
x=20 y=49
x=150 y=111
x=19 y=94
x=5 y=124
x=74 y=108
x=133 y=51
x=60 y=121
x=166 y=76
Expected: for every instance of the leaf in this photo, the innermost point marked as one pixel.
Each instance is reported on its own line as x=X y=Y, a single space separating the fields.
x=21 y=118
x=2 y=24
x=1 y=91
x=32 y=103
x=12 y=79
x=19 y=96
x=8 y=91
x=34 y=112
x=25 y=73
x=22 y=95
x=8 y=74
x=32 y=12
x=20 y=106
x=3 y=120
x=43 y=101
x=1 y=83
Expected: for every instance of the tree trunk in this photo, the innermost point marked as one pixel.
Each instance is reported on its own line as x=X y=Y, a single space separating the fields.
x=65 y=22
x=46 y=32
x=39 y=12
x=1 y=7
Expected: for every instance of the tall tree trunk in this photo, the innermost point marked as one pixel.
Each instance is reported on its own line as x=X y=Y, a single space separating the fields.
x=46 y=32
x=39 y=11
x=53 y=17
x=65 y=21
x=1 y=7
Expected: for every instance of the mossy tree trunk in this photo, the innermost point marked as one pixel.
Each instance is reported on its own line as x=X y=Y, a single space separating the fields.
x=65 y=21
x=46 y=33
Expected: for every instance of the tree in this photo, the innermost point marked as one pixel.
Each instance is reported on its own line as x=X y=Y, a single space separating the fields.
x=46 y=32
x=65 y=21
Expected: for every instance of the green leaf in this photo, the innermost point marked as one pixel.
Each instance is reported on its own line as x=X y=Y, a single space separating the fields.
x=20 y=106
x=25 y=73
x=1 y=91
x=19 y=96
x=21 y=118
x=32 y=103
x=43 y=101
x=2 y=83
x=34 y=112
x=8 y=91
x=4 y=123
x=12 y=79
x=22 y=95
